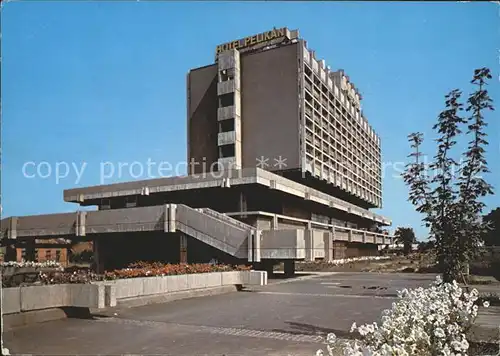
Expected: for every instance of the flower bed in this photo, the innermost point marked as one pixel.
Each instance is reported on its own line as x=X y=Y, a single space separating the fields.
x=344 y=261
x=135 y=270
x=144 y=269
x=26 y=272
x=424 y=321
x=31 y=264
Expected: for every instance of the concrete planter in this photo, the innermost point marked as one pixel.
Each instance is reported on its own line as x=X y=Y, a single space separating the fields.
x=106 y=293
x=21 y=299
x=147 y=286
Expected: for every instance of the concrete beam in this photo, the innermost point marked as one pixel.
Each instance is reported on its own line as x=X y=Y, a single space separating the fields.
x=244 y=176
x=256 y=245
x=171 y=217
x=328 y=243
x=81 y=217
x=254 y=237
x=274 y=222
x=251 y=234
x=309 y=244
x=12 y=231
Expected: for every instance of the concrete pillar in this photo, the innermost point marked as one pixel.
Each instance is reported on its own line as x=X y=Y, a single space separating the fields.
x=98 y=255
x=250 y=239
x=30 y=250
x=10 y=253
x=289 y=268
x=242 y=202
x=183 y=248
x=274 y=222
x=309 y=244
x=328 y=243
x=266 y=265
x=256 y=244
x=81 y=217
x=170 y=217
x=254 y=237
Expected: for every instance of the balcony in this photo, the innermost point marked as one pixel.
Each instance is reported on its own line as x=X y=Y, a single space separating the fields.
x=226 y=138
x=308 y=111
x=308 y=86
x=228 y=86
x=228 y=112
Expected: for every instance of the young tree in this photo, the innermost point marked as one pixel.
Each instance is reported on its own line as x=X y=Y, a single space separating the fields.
x=451 y=203
x=405 y=236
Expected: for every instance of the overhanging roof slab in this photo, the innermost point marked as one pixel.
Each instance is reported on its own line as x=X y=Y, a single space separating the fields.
x=244 y=176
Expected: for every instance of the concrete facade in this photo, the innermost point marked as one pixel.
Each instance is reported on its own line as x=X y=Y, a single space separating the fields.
x=279 y=102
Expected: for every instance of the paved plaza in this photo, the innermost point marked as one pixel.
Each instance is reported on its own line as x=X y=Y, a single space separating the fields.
x=287 y=317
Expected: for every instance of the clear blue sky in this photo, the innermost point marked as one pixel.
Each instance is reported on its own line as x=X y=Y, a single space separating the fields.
x=105 y=81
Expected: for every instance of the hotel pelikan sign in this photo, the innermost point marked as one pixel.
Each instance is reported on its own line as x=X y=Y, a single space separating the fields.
x=252 y=40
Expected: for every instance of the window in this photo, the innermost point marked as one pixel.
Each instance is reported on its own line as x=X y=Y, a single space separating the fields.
x=23 y=254
x=226 y=125
x=320 y=218
x=131 y=201
x=58 y=255
x=227 y=151
x=105 y=204
x=226 y=74
x=226 y=100
x=48 y=255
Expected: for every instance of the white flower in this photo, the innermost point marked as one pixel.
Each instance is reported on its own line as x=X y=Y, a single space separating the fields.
x=331 y=338
x=319 y=353
x=46 y=264
x=353 y=327
x=423 y=321
x=354 y=259
x=486 y=304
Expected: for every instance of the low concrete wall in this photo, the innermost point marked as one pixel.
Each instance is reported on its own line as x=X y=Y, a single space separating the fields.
x=147 y=286
x=106 y=293
x=21 y=299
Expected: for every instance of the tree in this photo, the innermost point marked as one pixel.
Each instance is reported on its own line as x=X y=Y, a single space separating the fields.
x=405 y=236
x=449 y=200
x=491 y=237
x=425 y=246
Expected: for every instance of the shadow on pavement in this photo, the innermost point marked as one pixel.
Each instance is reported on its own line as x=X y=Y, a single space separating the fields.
x=281 y=276
x=82 y=313
x=308 y=329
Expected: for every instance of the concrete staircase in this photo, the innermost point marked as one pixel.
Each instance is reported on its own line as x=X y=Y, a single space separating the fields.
x=215 y=229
